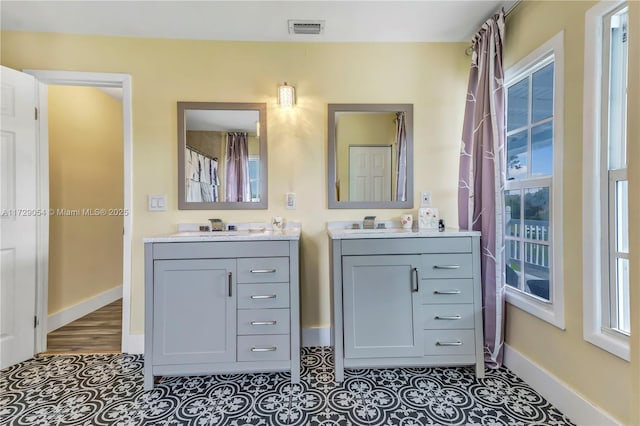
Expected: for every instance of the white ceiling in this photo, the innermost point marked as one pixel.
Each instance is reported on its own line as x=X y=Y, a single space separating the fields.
x=222 y=120
x=356 y=21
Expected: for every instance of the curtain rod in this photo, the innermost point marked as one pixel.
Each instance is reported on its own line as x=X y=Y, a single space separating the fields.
x=469 y=49
x=197 y=151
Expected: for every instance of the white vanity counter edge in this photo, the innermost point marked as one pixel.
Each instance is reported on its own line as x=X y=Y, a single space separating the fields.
x=342 y=230
x=243 y=232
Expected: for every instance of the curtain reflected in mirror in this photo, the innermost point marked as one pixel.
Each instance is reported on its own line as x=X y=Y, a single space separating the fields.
x=223 y=155
x=369 y=150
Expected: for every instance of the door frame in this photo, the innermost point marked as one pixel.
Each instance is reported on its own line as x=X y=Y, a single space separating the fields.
x=79 y=78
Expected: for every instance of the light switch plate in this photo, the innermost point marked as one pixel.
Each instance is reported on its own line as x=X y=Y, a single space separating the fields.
x=425 y=199
x=290 y=200
x=157 y=202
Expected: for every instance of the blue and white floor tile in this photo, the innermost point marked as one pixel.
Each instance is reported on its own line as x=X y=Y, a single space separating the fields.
x=97 y=390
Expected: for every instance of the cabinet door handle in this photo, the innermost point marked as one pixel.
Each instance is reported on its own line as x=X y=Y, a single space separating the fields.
x=416 y=272
x=269 y=349
x=230 y=279
x=446 y=266
x=263 y=296
x=446 y=292
x=448 y=317
x=456 y=343
x=263 y=271
x=264 y=322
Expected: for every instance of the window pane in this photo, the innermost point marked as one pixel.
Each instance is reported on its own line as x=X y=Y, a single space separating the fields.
x=542 y=150
x=622 y=274
x=536 y=270
x=618 y=70
x=512 y=261
x=512 y=213
x=542 y=93
x=518 y=105
x=517 y=155
x=536 y=214
x=622 y=216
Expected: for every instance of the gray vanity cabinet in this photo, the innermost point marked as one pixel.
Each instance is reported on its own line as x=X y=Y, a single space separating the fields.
x=409 y=301
x=220 y=307
x=383 y=305
x=194 y=311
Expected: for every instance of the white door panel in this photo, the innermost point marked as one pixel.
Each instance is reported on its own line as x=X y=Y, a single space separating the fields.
x=369 y=173
x=17 y=216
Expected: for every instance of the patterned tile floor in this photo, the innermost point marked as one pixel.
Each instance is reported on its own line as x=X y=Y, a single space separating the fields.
x=98 y=390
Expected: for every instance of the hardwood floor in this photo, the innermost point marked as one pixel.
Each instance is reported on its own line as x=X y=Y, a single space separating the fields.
x=98 y=332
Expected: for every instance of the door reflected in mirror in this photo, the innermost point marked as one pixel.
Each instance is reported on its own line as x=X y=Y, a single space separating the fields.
x=222 y=155
x=370 y=156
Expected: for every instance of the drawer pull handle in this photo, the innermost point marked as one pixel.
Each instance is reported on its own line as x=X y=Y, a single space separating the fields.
x=417 y=274
x=446 y=266
x=263 y=296
x=263 y=271
x=264 y=322
x=456 y=343
x=447 y=292
x=269 y=349
x=448 y=317
x=230 y=276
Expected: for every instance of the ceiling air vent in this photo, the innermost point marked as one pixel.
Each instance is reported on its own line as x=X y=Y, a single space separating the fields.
x=297 y=26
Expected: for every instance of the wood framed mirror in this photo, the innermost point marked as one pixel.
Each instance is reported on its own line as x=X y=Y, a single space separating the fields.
x=370 y=156
x=222 y=155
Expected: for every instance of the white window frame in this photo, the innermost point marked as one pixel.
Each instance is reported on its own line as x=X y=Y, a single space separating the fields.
x=595 y=236
x=550 y=311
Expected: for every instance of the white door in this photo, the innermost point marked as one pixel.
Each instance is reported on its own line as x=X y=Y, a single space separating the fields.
x=369 y=173
x=17 y=220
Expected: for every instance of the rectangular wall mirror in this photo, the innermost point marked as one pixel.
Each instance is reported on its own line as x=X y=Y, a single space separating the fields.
x=370 y=156
x=222 y=155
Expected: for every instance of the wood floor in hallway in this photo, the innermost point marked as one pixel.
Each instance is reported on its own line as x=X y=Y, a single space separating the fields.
x=98 y=332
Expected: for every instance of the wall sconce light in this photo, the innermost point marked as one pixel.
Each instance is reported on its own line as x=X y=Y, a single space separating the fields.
x=286 y=95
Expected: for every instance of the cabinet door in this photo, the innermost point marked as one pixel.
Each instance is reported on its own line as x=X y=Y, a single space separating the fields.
x=382 y=311
x=194 y=311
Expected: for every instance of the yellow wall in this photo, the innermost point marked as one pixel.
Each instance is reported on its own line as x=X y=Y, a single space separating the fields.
x=602 y=378
x=85 y=172
x=167 y=71
x=363 y=129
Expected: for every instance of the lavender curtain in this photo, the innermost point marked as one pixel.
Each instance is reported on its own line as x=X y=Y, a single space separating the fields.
x=401 y=157
x=237 y=167
x=480 y=203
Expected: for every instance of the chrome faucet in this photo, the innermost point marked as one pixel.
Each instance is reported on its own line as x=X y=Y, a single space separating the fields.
x=369 y=222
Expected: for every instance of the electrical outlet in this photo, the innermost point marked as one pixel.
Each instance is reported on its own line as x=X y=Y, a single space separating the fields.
x=425 y=199
x=291 y=200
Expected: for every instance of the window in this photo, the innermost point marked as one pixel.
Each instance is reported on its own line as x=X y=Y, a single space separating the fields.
x=254 y=177
x=532 y=193
x=605 y=190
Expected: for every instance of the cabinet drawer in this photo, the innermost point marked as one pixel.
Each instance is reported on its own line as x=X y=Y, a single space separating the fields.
x=449 y=342
x=256 y=296
x=406 y=245
x=435 y=291
x=447 y=316
x=452 y=265
x=263 y=270
x=263 y=321
x=264 y=348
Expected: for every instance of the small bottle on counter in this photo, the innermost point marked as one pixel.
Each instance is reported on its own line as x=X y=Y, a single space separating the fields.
x=441 y=225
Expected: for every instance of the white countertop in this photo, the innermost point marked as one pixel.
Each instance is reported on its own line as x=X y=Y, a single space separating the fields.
x=244 y=232
x=342 y=231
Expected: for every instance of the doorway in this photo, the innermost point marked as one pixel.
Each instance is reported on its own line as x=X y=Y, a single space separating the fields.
x=370 y=172
x=86 y=210
x=122 y=214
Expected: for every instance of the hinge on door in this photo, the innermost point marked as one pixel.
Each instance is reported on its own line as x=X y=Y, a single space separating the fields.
x=36 y=108
x=35 y=321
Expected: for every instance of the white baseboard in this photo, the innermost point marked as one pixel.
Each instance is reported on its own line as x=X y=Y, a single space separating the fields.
x=575 y=406
x=316 y=336
x=133 y=344
x=65 y=316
